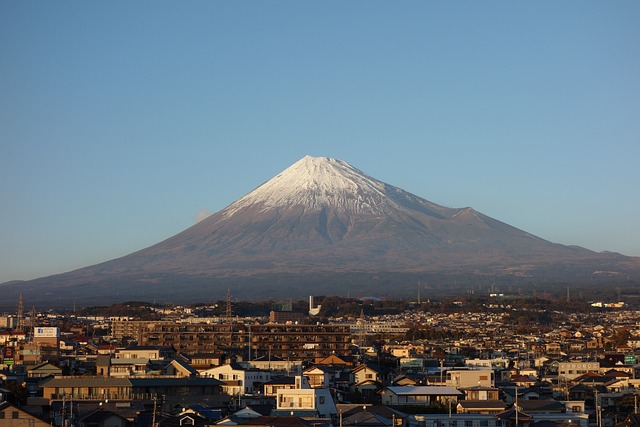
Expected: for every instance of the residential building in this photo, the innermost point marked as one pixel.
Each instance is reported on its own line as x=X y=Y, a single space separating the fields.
x=238 y=380
x=573 y=369
x=420 y=395
x=470 y=378
x=308 y=402
x=12 y=416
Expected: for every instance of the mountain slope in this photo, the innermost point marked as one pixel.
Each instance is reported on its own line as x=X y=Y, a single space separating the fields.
x=323 y=217
x=324 y=214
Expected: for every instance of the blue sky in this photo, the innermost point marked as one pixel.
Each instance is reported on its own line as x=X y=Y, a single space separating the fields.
x=120 y=121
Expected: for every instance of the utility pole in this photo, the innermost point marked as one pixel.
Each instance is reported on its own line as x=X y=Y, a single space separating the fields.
x=598 y=415
x=516 y=406
x=155 y=405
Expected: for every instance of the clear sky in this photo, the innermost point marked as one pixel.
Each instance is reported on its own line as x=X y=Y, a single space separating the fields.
x=120 y=121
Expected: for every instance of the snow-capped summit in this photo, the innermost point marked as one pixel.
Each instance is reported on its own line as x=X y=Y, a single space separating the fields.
x=322 y=182
x=317 y=182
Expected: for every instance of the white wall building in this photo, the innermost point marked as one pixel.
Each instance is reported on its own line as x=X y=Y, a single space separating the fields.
x=237 y=379
x=573 y=369
x=470 y=378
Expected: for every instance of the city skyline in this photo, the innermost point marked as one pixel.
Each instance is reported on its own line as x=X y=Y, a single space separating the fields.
x=124 y=123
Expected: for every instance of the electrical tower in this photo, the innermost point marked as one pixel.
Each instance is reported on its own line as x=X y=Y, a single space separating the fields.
x=20 y=313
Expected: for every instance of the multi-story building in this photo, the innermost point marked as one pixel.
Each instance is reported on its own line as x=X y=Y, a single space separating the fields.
x=134 y=328
x=573 y=369
x=9 y=322
x=285 y=341
x=306 y=342
x=286 y=316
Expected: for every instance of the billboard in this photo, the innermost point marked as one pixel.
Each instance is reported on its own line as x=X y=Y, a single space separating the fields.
x=8 y=354
x=46 y=332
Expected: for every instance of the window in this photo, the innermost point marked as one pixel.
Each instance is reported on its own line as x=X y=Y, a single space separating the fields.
x=484 y=423
x=468 y=423
x=15 y=415
x=1 y=415
x=498 y=423
x=321 y=400
x=368 y=376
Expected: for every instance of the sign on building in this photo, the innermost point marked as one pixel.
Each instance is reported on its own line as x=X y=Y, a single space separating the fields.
x=46 y=332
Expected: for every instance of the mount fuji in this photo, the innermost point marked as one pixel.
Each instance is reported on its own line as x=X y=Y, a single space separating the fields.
x=322 y=226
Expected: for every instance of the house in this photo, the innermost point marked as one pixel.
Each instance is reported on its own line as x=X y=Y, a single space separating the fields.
x=371 y=372
x=405 y=380
x=334 y=360
x=203 y=361
x=370 y=415
x=481 y=393
x=368 y=379
x=509 y=394
x=282 y=421
x=12 y=416
x=275 y=363
x=106 y=349
x=238 y=380
x=458 y=420
x=239 y=417
x=86 y=388
x=420 y=395
x=210 y=414
x=541 y=407
x=573 y=369
x=144 y=352
x=522 y=380
x=43 y=370
x=11 y=338
x=180 y=390
x=305 y=402
x=325 y=376
x=270 y=388
x=127 y=367
x=102 y=418
x=480 y=407
x=174 y=390
x=470 y=378
x=180 y=368
x=184 y=419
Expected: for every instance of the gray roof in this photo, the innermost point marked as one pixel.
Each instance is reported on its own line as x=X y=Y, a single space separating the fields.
x=169 y=382
x=425 y=390
x=87 y=382
x=482 y=404
x=137 y=361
